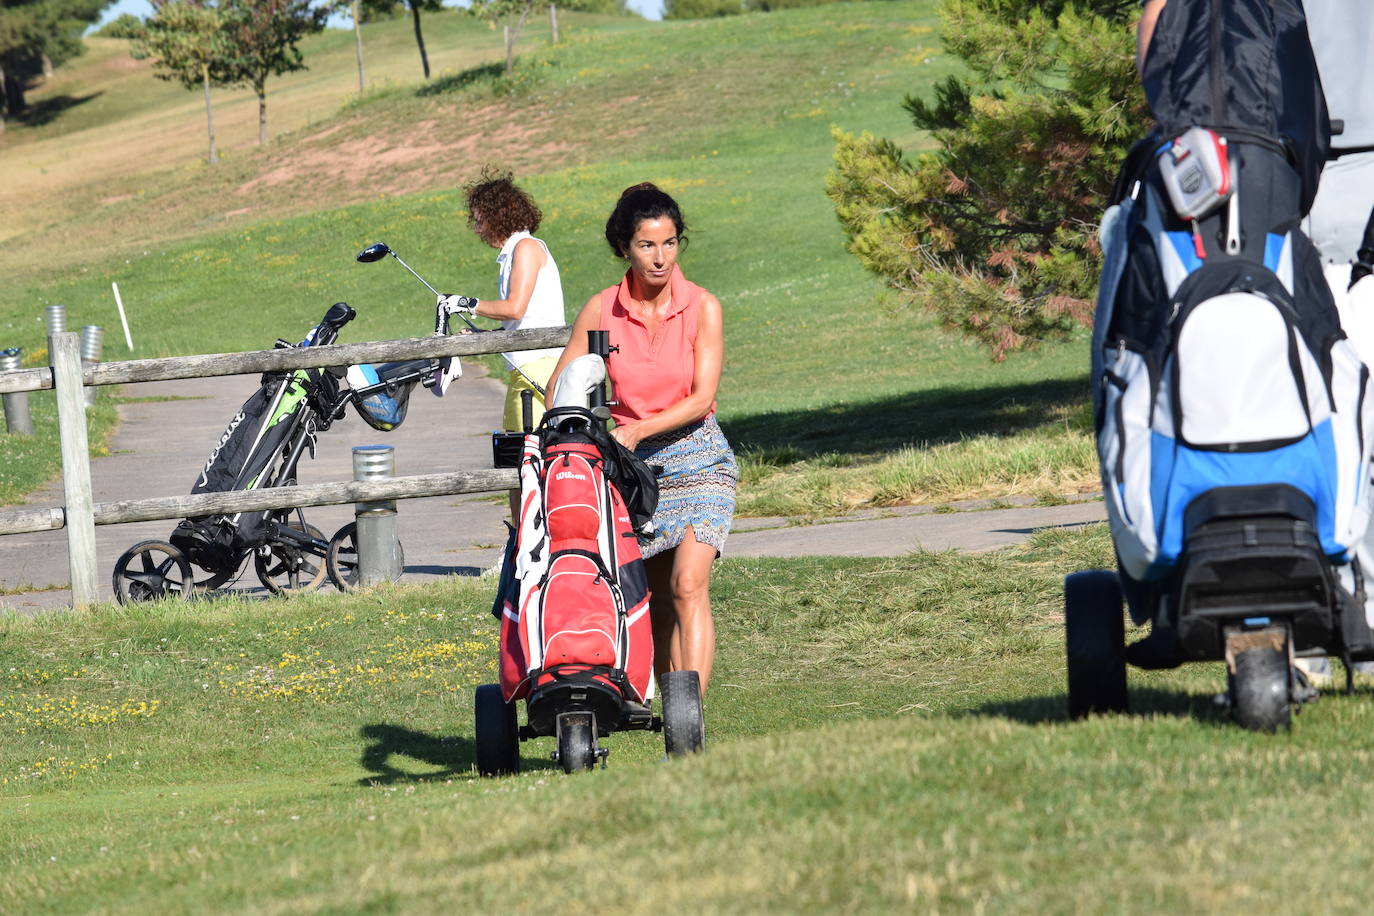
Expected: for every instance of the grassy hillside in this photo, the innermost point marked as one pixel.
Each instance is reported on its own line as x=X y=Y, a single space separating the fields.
x=883 y=736
x=824 y=379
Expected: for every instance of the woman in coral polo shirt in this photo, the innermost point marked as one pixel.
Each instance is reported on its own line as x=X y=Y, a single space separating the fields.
x=664 y=376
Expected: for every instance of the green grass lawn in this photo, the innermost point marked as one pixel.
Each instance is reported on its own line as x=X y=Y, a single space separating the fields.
x=835 y=397
x=883 y=735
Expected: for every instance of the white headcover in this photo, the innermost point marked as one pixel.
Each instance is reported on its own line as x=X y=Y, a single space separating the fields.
x=579 y=379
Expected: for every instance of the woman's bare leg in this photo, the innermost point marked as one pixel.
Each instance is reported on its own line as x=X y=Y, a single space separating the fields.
x=695 y=638
x=662 y=612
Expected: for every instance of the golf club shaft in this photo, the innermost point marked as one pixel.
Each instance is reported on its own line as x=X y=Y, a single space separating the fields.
x=417 y=276
x=506 y=356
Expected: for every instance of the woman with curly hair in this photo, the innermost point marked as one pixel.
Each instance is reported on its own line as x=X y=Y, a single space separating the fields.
x=531 y=294
x=665 y=374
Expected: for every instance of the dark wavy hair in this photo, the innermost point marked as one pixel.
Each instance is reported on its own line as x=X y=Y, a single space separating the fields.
x=504 y=208
x=638 y=203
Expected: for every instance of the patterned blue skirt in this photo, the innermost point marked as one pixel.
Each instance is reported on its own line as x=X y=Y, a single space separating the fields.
x=696 y=486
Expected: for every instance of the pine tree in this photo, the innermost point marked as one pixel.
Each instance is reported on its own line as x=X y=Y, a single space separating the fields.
x=996 y=232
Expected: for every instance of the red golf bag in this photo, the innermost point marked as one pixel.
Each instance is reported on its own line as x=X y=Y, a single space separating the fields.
x=574 y=601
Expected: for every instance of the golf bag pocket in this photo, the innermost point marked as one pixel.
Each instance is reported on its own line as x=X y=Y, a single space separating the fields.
x=579 y=613
x=575 y=496
x=1240 y=398
x=383 y=409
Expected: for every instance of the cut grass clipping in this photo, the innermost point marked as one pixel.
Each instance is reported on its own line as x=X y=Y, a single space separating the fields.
x=882 y=734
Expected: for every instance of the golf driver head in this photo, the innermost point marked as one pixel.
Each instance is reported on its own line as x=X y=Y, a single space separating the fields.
x=374 y=252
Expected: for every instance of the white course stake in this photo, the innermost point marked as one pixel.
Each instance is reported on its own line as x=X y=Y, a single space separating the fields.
x=122 y=320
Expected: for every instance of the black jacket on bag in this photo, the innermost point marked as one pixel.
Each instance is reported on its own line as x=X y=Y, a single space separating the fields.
x=1245 y=69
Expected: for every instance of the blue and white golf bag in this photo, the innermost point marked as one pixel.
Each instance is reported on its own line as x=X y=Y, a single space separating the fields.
x=1219 y=361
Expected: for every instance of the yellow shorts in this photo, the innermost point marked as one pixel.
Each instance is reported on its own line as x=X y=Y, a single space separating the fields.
x=539 y=370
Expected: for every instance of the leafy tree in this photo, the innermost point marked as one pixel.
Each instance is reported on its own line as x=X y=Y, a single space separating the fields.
x=701 y=9
x=379 y=9
x=36 y=35
x=125 y=25
x=187 y=45
x=996 y=231
x=261 y=41
x=511 y=15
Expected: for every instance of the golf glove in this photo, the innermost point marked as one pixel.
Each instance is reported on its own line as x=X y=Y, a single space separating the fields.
x=452 y=305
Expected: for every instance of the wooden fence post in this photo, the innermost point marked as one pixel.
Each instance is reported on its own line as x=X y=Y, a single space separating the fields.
x=65 y=350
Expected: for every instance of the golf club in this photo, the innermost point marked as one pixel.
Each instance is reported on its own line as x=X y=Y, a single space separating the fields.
x=378 y=250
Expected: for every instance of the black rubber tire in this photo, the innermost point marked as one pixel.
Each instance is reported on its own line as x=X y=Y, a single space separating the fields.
x=1259 y=696
x=341 y=560
x=150 y=571
x=684 y=727
x=1095 y=643
x=214 y=580
x=286 y=569
x=497 y=740
x=577 y=743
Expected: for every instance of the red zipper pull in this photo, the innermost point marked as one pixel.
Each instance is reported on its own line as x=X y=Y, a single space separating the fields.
x=1197 y=243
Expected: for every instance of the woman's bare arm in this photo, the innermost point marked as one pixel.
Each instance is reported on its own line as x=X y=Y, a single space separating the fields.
x=526 y=261
x=589 y=319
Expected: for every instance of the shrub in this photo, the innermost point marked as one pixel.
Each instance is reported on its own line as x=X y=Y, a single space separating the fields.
x=996 y=231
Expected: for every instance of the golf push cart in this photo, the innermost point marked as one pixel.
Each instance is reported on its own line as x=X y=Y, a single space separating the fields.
x=262 y=447
x=1254 y=589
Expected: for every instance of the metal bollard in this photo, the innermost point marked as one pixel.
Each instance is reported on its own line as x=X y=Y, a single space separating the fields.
x=92 y=344
x=378 y=557
x=17 y=416
x=57 y=319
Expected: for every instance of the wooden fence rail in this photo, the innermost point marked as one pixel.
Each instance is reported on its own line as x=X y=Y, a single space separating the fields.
x=80 y=515
x=255 y=361
x=120 y=512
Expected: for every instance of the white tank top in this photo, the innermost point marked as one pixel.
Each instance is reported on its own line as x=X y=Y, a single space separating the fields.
x=545 y=309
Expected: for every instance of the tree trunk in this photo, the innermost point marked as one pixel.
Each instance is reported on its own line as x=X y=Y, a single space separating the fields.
x=512 y=34
x=553 y=23
x=209 y=114
x=47 y=68
x=261 y=90
x=4 y=108
x=14 y=95
x=420 y=39
x=358 y=43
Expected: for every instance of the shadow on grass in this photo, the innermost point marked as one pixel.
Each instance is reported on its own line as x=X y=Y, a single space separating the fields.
x=448 y=756
x=1145 y=701
x=456 y=81
x=932 y=417
x=49 y=110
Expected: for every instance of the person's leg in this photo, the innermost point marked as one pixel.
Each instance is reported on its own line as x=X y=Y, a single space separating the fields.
x=662 y=613
x=695 y=638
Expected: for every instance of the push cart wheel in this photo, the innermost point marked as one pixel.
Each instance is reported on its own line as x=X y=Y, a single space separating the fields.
x=285 y=567
x=215 y=580
x=341 y=560
x=576 y=741
x=1259 y=696
x=684 y=728
x=1095 y=643
x=152 y=570
x=497 y=740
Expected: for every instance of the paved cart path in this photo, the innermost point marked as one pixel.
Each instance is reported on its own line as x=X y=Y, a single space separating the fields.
x=161 y=445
